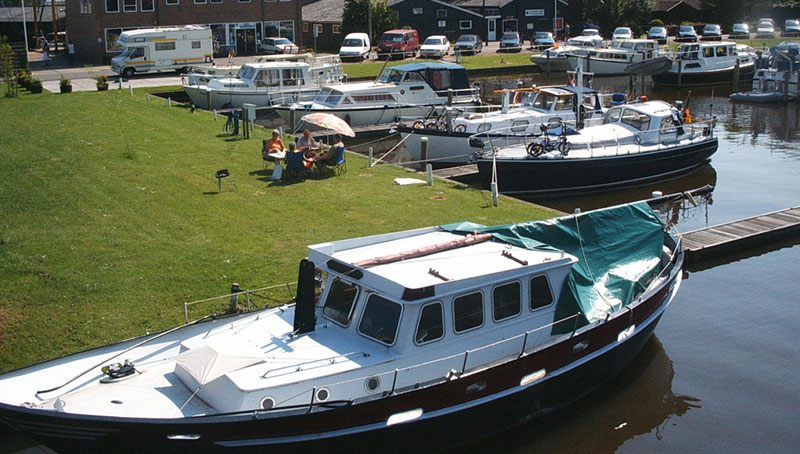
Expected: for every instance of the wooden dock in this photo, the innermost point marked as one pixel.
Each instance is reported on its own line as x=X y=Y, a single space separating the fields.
x=732 y=236
x=457 y=173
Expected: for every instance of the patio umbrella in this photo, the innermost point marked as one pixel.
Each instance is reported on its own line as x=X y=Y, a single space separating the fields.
x=329 y=121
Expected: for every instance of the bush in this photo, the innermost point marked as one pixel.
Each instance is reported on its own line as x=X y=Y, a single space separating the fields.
x=24 y=80
x=36 y=86
x=656 y=23
x=102 y=82
x=64 y=81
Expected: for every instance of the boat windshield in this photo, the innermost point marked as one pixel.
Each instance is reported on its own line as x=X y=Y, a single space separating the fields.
x=546 y=101
x=328 y=98
x=380 y=319
x=246 y=72
x=340 y=301
x=391 y=76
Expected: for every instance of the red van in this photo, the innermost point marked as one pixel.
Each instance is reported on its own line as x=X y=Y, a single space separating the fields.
x=398 y=43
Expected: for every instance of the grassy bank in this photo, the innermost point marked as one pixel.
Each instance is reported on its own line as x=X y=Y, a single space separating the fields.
x=111 y=217
x=470 y=62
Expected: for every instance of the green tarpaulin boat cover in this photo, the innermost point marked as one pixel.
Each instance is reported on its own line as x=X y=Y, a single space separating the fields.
x=618 y=250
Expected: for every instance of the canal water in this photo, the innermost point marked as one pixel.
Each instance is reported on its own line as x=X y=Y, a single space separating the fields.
x=721 y=373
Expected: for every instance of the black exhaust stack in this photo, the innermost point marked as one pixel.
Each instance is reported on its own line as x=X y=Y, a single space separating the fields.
x=304 y=319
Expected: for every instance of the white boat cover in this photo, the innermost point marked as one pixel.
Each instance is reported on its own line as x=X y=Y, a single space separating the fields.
x=214 y=359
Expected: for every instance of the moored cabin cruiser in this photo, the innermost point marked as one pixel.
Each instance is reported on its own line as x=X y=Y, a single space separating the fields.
x=636 y=143
x=506 y=126
x=453 y=329
x=411 y=90
x=709 y=63
x=612 y=60
x=555 y=58
x=266 y=83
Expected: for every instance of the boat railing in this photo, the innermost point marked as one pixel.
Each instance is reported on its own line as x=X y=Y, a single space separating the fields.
x=410 y=378
x=313 y=363
x=252 y=297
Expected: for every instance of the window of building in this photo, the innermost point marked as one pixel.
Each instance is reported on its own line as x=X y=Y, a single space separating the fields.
x=168 y=45
x=442 y=23
x=284 y=28
x=200 y=2
x=86 y=7
x=506 y=301
x=340 y=302
x=336 y=29
x=147 y=5
x=317 y=29
x=244 y=1
x=468 y=312
x=111 y=37
x=129 y=6
x=112 y=6
x=380 y=319
x=541 y=295
x=465 y=25
x=441 y=13
x=492 y=11
x=417 y=11
x=173 y=2
x=431 y=323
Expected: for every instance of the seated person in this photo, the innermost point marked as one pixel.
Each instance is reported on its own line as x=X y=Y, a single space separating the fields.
x=328 y=158
x=273 y=149
x=306 y=161
x=306 y=143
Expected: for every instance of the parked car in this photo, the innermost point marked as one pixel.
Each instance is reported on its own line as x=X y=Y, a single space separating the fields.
x=398 y=43
x=542 y=40
x=622 y=33
x=355 y=47
x=712 y=32
x=436 y=46
x=590 y=32
x=740 y=31
x=791 y=27
x=765 y=28
x=686 y=33
x=510 y=42
x=469 y=44
x=659 y=34
x=278 y=46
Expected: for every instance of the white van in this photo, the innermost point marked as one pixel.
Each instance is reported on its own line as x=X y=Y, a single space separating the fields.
x=163 y=48
x=355 y=46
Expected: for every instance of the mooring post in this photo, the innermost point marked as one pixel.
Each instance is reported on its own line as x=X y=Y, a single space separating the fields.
x=371 y=151
x=680 y=72
x=429 y=173
x=548 y=63
x=736 y=77
x=130 y=89
x=423 y=149
x=215 y=114
x=494 y=194
x=169 y=102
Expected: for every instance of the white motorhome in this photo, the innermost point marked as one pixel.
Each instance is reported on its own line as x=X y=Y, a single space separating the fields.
x=163 y=48
x=355 y=46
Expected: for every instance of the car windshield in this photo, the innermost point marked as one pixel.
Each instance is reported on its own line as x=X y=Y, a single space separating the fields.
x=711 y=28
x=466 y=39
x=792 y=22
x=392 y=38
x=590 y=32
x=740 y=27
x=509 y=36
x=622 y=30
x=686 y=29
x=433 y=41
x=352 y=42
x=542 y=35
x=657 y=30
x=282 y=41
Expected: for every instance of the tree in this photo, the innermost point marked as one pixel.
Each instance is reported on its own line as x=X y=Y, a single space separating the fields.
x=354 y=17
x=7 y=68
x=609 y=14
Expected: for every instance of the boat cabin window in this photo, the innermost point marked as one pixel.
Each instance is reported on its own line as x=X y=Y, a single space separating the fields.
x=373 y=97
x=292 y=77
x=564 y=103
x=708 y=52
x=391 y=76
x=612 y=116
x=543 y=102
x=484 y=127
x=636 y=119
x=431 y=323
x=722 y=51
x=246 y=72
x=340 y=301
x=519 y=125
x=468 y=312
x=332 y=99
x=380 y=319
x=506 y=301
x=413 y=77
x=541 y=295
x=268 y=78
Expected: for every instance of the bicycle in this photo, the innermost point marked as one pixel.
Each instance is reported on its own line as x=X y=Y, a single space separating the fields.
x=546 y=144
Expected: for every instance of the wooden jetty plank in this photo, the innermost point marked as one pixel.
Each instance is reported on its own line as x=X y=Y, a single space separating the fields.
x=703 y=243
x=457 y=172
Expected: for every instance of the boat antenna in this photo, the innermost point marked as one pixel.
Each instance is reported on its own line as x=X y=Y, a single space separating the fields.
x=44 y=391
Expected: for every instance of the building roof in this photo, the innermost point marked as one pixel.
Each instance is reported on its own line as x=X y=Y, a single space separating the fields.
x=323 y=11
x=669 y=5
x=14 y=14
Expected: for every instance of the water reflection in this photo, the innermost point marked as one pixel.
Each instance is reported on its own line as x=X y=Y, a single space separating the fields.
x=639 y=400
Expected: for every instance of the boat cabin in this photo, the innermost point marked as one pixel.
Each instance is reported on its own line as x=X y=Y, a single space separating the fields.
x=648 y=122
x=625 y=49
x=711 y=56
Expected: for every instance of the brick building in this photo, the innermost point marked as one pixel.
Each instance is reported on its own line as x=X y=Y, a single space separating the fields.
x=94 y=25
x=324 y=16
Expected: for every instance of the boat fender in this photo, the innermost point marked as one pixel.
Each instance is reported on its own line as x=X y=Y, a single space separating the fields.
x=517 y=97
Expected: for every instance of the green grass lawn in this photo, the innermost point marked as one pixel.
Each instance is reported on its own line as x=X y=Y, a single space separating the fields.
x=470 y=62
x=111 y=218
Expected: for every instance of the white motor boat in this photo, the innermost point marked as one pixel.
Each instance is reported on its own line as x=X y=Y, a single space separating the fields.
x=267 y=83
x=612 y=60
x=459 y=329
x=709 y=63
x=414 y=90
x=555 y=58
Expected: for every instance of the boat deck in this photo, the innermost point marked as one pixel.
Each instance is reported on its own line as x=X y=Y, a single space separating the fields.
x=710 y=241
